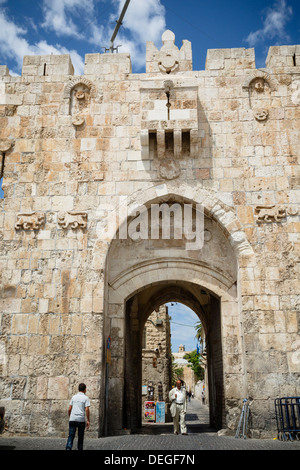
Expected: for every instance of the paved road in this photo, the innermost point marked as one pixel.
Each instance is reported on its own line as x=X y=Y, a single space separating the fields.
x=155 y=438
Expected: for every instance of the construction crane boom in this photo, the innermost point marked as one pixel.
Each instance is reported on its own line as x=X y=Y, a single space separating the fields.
x=119 y=23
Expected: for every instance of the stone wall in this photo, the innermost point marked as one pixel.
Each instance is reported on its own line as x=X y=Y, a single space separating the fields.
x=156 y=354
x=75 y=149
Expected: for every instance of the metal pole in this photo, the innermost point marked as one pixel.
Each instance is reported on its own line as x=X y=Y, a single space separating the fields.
x=119 y=23
x=243 y=422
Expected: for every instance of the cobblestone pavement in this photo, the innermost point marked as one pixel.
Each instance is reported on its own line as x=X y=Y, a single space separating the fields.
x=155 y=437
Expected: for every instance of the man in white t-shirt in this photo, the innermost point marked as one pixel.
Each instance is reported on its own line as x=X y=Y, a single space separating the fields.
x=79 y=408
x=177 y=397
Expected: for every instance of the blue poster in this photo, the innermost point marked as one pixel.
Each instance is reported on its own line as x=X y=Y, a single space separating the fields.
x=160 y=411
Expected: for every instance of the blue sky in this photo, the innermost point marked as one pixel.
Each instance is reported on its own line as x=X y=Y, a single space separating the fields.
x=183 y=321
x=78 y=27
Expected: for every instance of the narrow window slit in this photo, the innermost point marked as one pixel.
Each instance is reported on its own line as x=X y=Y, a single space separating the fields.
x=1 y=174
x=186 y=141
x=169 y=141
x=2 y=164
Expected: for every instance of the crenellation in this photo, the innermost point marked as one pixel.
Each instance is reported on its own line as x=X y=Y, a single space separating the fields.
x=230 y=59
x=47 y=65
x=106 y=65
x=284 y=57
x=4 y=71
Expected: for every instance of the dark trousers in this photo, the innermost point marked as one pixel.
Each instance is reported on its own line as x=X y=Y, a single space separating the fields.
x=73 y=425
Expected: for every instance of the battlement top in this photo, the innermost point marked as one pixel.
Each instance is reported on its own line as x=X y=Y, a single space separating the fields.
x=168 y=60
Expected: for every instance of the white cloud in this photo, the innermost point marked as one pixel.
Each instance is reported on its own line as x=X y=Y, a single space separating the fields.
x=59 y=15
x=14 y=46
x=274 y=24
x=144 y=21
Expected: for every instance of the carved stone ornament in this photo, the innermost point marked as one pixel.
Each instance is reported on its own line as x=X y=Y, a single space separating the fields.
x=292 y=210
x=260 y=86
x=259 y=80
x=5 y=145
x=78 y=120
x=29 y=221
x=79 y=81
x=73 y=220
x=260 y=114
x=269 y=213
x=169 y=169
x=168 y=64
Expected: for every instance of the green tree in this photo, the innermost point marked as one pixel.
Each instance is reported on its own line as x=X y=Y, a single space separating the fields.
x=199 y=331
x=177 y=372
x=193 y=359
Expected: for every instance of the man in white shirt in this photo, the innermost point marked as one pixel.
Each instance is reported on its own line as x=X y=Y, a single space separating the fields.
x=79 y=408
x=177 y=396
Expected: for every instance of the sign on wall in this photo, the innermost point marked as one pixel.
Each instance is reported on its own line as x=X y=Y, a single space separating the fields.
x=149 y=413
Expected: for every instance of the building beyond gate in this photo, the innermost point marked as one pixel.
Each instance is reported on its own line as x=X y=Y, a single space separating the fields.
x=86 y=161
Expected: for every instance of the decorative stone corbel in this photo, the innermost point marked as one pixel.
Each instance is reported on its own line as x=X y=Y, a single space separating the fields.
x=177 y=135
x=73 y=220
x=145 y=144
x=29 y=221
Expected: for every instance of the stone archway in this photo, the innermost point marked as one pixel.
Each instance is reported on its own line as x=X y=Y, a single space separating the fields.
x=157 y=270
x=207 y=308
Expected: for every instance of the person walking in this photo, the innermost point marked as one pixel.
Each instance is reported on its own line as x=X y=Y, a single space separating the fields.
x=177 y=396
x=79 y=409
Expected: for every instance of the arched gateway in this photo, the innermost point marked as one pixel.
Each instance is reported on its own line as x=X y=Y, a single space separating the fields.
x=142 y=274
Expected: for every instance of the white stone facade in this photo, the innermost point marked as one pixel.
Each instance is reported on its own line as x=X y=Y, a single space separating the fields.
x=77 y=153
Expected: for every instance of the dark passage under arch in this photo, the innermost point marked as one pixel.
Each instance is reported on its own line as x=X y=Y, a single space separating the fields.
x=138 y=308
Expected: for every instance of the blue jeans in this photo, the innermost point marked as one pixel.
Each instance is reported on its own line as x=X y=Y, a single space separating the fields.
x=72 y=431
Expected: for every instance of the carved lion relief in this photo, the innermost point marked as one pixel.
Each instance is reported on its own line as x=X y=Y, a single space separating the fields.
x=29 y=221
x=73 y=220
x=269 y=213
